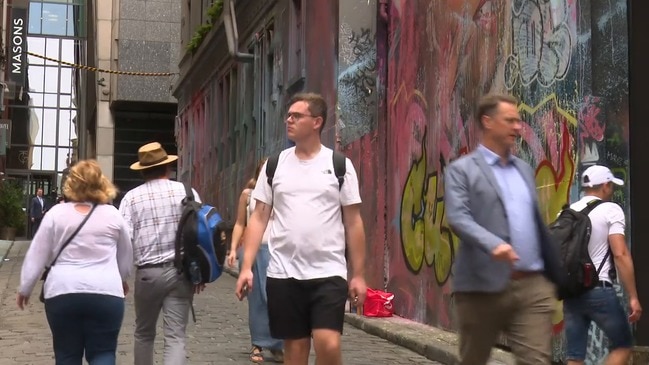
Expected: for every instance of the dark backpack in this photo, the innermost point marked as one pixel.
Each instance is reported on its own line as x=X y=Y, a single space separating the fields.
x=571 y=230
x=200 y=241
x=340 y=168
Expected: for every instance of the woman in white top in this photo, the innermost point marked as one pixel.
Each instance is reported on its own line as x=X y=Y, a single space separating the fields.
x=257 y=300
x=85 y=289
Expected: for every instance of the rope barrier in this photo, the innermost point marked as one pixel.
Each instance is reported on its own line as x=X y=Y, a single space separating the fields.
x=95 y=69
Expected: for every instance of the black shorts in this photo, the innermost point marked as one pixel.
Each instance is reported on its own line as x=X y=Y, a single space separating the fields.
x=296 y=307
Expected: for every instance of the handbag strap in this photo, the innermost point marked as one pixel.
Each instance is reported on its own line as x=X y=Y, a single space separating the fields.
x=67 y=242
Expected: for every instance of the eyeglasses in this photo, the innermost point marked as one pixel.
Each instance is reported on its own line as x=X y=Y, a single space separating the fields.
x=298 y=116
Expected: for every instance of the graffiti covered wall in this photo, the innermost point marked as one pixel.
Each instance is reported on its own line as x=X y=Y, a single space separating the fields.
x=402 y=78
x=566 y=61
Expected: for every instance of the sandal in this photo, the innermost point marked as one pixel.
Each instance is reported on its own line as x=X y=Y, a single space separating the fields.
x=278 y=355
x=256 y=355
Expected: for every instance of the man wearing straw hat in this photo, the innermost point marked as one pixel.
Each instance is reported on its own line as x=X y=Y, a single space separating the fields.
x=152 y=211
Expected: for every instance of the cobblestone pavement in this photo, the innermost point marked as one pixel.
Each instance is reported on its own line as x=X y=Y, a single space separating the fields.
x=220 y=335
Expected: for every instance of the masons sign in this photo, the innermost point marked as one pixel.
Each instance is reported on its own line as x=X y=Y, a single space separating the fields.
x=18 y=45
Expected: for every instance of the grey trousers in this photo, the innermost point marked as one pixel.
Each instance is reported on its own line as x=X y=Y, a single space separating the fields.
x=161 y=289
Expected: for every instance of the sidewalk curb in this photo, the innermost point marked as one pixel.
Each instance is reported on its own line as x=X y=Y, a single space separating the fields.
x=5 y=247
x=431 y=342
x=438 y=347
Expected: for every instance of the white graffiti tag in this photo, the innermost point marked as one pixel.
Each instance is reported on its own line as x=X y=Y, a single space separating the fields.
x=541 y=42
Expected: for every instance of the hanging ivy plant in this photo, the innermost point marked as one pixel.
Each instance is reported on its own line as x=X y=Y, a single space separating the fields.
x=198 y=37
x=213 y=13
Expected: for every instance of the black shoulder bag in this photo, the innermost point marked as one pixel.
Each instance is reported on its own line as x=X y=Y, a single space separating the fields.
x=48 y=268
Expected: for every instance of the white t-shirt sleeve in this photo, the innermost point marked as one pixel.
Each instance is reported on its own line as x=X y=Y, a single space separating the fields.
x=263 y=192
x=349 y=193
x=616 y=220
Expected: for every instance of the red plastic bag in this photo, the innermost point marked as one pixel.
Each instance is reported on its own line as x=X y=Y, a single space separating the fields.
x=378 y=304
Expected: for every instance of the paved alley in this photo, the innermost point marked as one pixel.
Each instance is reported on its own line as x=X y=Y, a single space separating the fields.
x=220 y=335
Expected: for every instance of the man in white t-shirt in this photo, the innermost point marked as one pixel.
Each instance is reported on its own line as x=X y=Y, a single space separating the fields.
x=601 y=304
x=313 y=219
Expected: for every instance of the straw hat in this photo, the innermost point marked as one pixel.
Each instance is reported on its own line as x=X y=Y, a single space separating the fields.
x=151 y=155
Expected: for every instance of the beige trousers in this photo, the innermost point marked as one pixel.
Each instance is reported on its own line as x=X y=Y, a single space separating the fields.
x=523 y=312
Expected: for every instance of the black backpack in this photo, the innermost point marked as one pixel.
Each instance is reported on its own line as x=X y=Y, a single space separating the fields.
x=571 y=230
x=340 y=168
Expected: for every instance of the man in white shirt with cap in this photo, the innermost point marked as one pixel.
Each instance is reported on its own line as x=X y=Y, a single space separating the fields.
x=608 y=249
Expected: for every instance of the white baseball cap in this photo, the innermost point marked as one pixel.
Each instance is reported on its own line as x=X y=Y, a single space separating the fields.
x=597 y=175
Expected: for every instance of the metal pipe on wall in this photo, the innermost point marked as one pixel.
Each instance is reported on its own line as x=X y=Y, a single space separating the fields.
x=232 y=35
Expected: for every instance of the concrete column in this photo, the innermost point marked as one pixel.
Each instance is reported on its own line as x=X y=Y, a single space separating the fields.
x=105 y=125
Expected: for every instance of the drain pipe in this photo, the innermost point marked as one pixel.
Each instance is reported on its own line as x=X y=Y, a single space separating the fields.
x=230 y=22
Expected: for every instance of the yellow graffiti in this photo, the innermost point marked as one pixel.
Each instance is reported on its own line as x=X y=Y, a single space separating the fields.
x=425 y=236
x=555 y=103
x=439 y=242
x=553 y=188
x=402 y=89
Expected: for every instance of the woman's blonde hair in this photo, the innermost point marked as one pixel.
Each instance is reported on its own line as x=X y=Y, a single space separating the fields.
x=86 y=183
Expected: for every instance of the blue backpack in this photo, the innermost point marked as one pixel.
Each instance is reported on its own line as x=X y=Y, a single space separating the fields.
x=200 y=241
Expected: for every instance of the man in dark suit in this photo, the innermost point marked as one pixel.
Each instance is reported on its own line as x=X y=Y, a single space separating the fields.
x=36 y=210
x=506 y=267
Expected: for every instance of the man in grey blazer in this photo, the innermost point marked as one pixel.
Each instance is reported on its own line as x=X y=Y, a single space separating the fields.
x=506 y=266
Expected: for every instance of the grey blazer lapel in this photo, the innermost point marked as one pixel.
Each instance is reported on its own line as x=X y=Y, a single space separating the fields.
x=488 y=172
